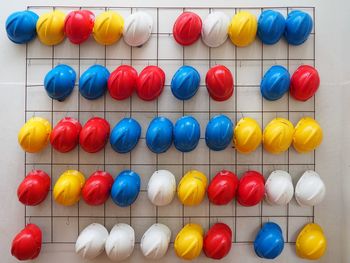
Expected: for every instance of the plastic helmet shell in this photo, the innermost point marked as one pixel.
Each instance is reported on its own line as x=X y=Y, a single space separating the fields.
x=27 y=243
x=214 y=30
x=191 y=188
x=242 y=29
x=94 y=135
x=122 y=82
x=50 y=28
x=78 y=26
x=298 y=27
x=279 y=188
x=218 y=241
x=21 y=26
x=304 y=83
x=108 y=28
x=222 y=188
x=310 y=190
x=34 y=134
x=271 y=26
x=278 y=135
x=275 y=83
x=93 y=82
x=219 y=132
x=185 y=83
x=186 y=134
x=161 y=188
x=269 y=242
x=311 y=242
x=97 y=188
x=65 y=135
x=159 y=135
x=219 y=82
x=247 y=135
x=126 y=188
x=189 y=242
x=125 y=135
x=155 y=241
x=251 y=188
x=308 y=135
x=150 y=83
x=187 y=28
x=137 y=29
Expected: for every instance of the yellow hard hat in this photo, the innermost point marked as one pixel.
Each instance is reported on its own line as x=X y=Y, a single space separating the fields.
x=189 y=241
x=278 y=135
x=191 y=188
x=108 y=28
x=68 y=187
x=34 y=134
x=50 y=28
x=307 y=136
x=242 y=29
x=247 y=135
x=311 y=242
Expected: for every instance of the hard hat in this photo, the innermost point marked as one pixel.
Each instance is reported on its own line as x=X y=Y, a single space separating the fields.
x=50 y=28
x=126 y=188
x=191 y=188
x=159 y=135
x=247 y=135
x=310 y=190
x=278 y=135
x=298 y=27
x=91 y=241
x=189 y=241
x=125 y=135
x=218 y=241
x=34 y=188
x=68 y=187
x=27 y=244
x=137 y=29
x=161 y=188
x=271 y=25
x=307 y=135
x=120 y=242
x=219 y=132
x=187 y=28
x=185 y=83
x=78 y=26
x=97 y=188
x=269 y=242
x=21 y=26
x=150 y=83
x=122 y=82
x=275 y=83
x=93 y=82
x=279 y=188
x=108 y=28
x=186 y=134
x=59 y=82
x=251 y=188
x=219 y=82
x=155 y=241
x=242 y=29
x=214 y=30
x=94 y=135
x=222 y=188
x=304 y=83
x=311 y=242
x=34 y=134
x=65 y=135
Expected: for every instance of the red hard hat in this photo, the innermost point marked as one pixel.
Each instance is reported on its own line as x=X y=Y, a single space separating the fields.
x=122 y=82
x=187 y=28
x=97 y=188
x=251 y=188
x=219 y=83
x=150 y=83
x=218 y=241
x=94 y=135
x=78 y=25
x=27 y=244
x=222 y=188
x=304 y=83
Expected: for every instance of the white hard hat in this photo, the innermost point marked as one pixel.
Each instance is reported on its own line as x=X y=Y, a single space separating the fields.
x=137 y=28
x=279 y=188
x=310 y=189
x=155 y=241
x=120 y=242
x=161 y=187
x=214 y=29
x=91 y=241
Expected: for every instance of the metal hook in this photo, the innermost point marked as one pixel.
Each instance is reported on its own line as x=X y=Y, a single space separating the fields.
x=67 y=222
x=29 y=220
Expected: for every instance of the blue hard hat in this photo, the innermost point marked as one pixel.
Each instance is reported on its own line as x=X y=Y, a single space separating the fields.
x=21 y=26
x=159 y=136
x=186 y=133
x=185 y=82
x=59 y=82
x=275 y=83
x=271 y=25
x=93 y=82
x=269 y=241
x=125 y=135
x=298 y=27
x=219 y=132
x=126 y=188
